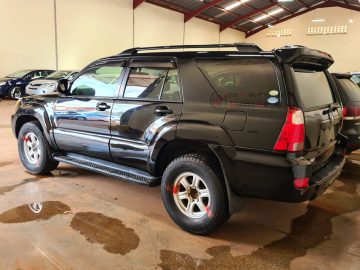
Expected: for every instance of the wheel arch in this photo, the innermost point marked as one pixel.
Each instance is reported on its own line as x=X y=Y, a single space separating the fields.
x=174 y=144
x=37 y=114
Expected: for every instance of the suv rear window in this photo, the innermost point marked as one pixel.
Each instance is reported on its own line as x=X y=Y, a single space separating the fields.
x=313 y=88
x=348 y=89
x=244 y=81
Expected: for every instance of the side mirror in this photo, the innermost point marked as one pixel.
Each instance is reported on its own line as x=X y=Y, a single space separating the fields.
x=63 y=86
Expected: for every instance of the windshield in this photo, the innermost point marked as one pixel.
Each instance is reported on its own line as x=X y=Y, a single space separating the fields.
x=313 y=88
x=18 y=74
x=349 y=89
x=58 y=74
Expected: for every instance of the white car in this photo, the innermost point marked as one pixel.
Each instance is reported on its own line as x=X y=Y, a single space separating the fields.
x=48 y=84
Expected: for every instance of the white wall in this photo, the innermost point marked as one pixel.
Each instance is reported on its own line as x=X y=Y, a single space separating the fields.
x=344 y=48
x=27 y=38
x=91 y=29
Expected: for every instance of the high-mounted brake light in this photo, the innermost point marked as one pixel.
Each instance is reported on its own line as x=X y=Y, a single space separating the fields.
x=292 y=135
x=351 y=113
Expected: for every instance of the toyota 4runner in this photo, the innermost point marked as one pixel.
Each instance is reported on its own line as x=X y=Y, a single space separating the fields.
x=208 y=125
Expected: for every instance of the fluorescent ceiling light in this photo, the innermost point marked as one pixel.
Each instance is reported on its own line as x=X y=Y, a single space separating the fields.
x=282 y=1
x=351 y=21
x=318 y=20
x=235 y=4
x=273 y=12
x=270 y=26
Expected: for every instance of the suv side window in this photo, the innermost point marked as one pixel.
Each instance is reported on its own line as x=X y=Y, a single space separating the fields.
x=153 y=83
x=99 y=81
x=243 y=81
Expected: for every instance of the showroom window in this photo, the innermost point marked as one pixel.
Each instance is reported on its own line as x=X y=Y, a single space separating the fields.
x=243 y=81
x=156 y=83
x=100 y=81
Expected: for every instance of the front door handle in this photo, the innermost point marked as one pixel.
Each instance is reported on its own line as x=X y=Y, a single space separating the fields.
x=102 y=106
x=163 y=110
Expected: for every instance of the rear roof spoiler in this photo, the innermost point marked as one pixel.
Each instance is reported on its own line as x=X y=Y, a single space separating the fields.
x=342 y=75
x=302 y=56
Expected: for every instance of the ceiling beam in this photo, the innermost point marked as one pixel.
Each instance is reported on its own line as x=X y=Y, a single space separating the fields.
x=329 y=3
x=194 y=13
x=137 y=3
x=332 y=3
x=246 y=16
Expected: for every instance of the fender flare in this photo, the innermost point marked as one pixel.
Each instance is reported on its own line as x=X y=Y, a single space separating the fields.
x=42 y=116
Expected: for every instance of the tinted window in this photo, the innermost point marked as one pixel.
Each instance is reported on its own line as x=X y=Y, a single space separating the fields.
x=348 y=89
x=243 y=81
x=171 y=89
x=153 y=83
x=313 y=88
x=356 y=79
x=100 y=81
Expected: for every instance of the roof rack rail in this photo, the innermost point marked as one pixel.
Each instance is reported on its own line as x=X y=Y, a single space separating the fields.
x=242 y=47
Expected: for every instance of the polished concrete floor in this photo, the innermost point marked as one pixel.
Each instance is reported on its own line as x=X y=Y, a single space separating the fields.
x=77 y=219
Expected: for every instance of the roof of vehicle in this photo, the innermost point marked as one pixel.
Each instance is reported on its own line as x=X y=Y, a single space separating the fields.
x=294 y=55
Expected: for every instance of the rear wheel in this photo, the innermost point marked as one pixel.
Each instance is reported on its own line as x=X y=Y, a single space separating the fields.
x=34 y=151
x=15 y=92
x=194 y=194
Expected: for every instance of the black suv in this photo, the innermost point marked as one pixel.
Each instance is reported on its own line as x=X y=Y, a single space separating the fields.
x=350 y=97
x=207 y=125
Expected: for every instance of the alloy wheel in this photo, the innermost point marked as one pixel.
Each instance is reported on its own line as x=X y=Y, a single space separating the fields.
x=191 y=195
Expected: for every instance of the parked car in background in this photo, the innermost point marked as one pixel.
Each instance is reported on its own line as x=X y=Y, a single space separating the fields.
x=356 y=77
x=350 y=95
x=48 y=85
x=206 y=125
x=14 y=85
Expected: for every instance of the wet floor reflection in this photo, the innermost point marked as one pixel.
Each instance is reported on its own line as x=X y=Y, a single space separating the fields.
x=5 y=126
x=3 y=164
x=34 y=211
x=55 y=173
x=307 y=231
x=115 y=237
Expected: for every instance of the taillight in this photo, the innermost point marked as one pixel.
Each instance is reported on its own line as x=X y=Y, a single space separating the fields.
x=301 y=182
x=351 y=112
x=292 y=135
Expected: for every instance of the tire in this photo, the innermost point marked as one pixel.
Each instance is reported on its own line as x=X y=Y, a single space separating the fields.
x=39 y=160
x=208 y=213
x=15 y=92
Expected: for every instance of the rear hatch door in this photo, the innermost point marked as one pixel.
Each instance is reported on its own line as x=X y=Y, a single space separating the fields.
x=319 y=100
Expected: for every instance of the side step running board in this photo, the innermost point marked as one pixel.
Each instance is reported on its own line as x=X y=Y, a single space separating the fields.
x=108 y=168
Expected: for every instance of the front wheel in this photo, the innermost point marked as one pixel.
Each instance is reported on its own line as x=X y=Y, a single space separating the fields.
x=15 y=92
x=34 y=151
x=194 y=194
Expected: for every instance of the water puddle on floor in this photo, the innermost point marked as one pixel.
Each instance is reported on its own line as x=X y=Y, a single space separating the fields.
x=3 y=164
x=115 y=237
x=34 y=211
x=307 y=231
x=55 y=173
x=5 y=126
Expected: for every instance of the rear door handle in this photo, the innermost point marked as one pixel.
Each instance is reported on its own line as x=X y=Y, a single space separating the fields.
x=102 y=106
x=163 y=110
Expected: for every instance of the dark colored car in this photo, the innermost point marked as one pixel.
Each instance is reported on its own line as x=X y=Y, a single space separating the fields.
x=210 y=126
x=13 y=85
x=350 y=96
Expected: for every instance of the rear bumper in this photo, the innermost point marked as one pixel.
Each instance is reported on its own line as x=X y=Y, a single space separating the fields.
x=270 y=176
x=319 y=181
